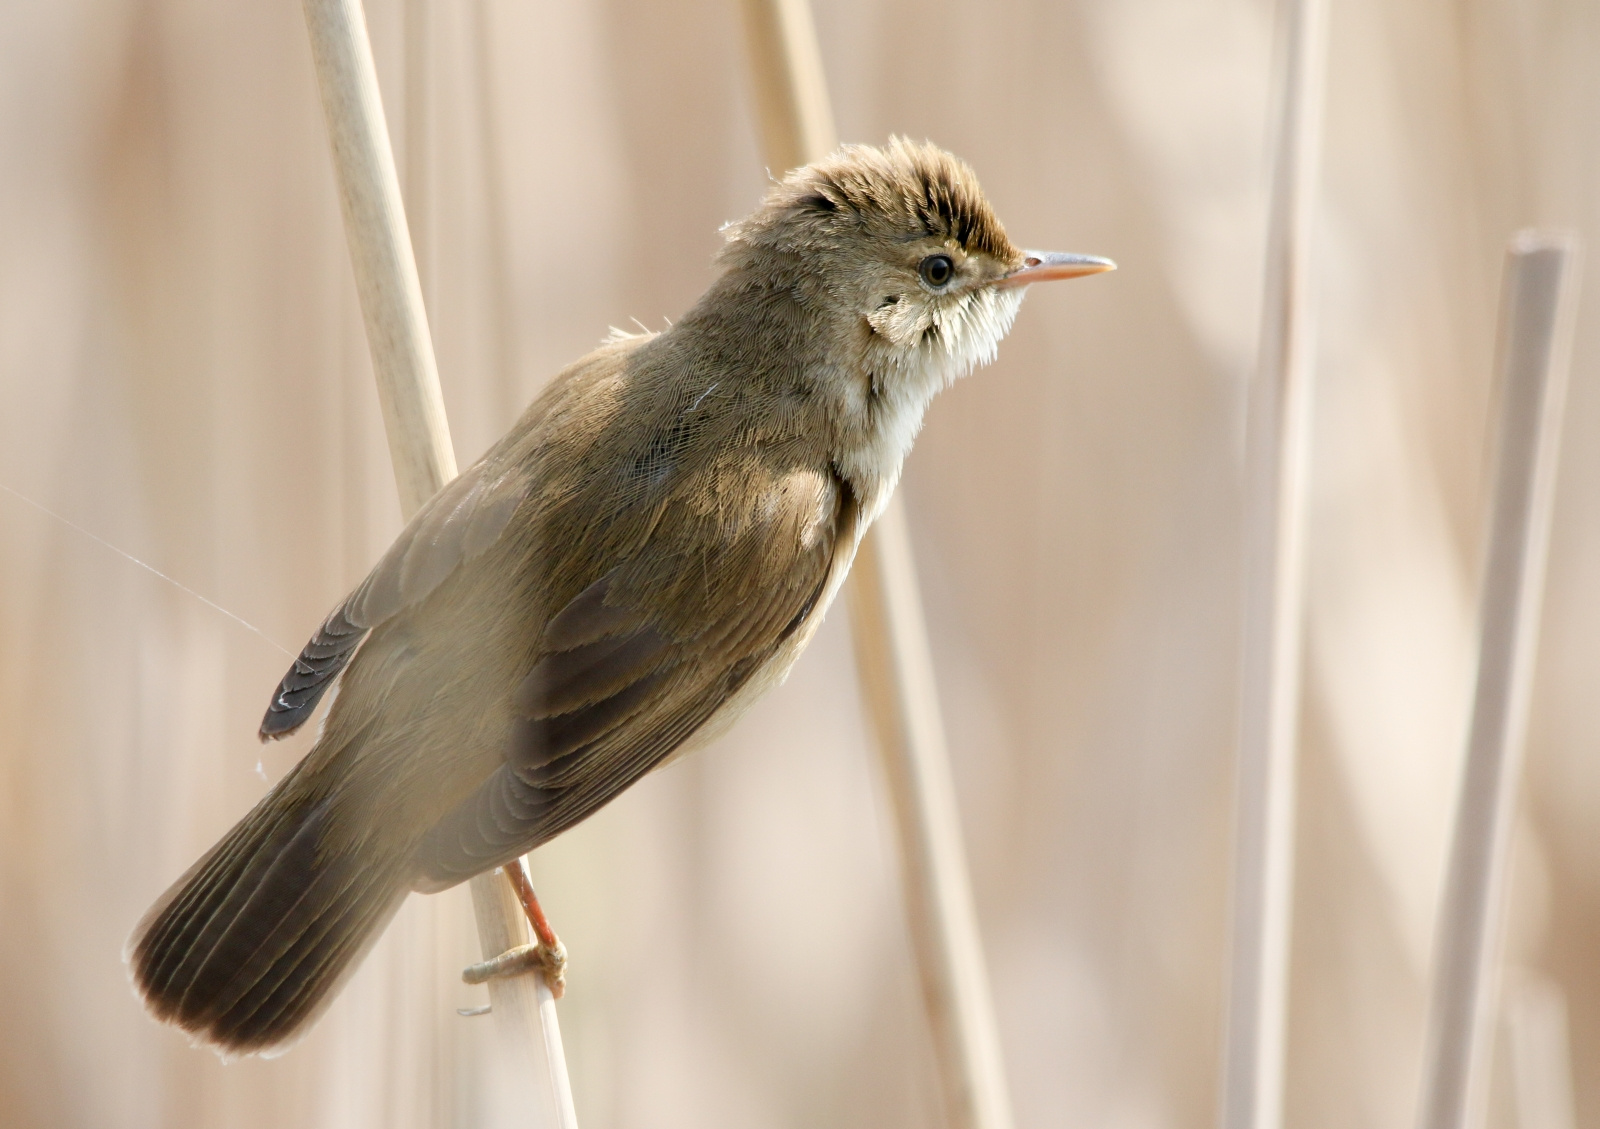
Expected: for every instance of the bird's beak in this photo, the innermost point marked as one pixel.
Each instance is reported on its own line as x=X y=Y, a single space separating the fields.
x=1042 y=266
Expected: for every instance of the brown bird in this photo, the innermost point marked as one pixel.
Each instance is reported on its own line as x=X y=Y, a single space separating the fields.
x=646 y=552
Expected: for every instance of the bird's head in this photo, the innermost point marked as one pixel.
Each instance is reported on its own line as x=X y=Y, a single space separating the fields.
x=899 y=248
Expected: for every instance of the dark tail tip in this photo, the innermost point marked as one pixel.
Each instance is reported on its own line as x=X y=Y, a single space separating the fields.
x=247 y=948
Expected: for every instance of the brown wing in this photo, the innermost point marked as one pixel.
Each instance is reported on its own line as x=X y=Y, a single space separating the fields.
x=622 y=682
x=456 y=524
x=466 y=517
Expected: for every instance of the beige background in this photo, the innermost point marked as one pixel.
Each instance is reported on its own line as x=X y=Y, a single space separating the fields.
x=183 y=374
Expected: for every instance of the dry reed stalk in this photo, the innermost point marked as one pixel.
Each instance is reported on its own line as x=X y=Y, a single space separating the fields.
x=791 y=90
x=380 y=252
x=1538 y=300
x=419 y=438
x=896 y=664
x=1276 y=460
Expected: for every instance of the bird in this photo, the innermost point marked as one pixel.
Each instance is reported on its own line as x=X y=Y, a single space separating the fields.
x=647 y=551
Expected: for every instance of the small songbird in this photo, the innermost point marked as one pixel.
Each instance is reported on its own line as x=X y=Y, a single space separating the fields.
x=646 y=552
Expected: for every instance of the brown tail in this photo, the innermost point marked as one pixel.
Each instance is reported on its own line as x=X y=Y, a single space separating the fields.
x=245 y=949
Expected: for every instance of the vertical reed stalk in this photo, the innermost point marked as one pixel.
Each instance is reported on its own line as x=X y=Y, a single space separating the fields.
x=895 y=661
x=1276 y=459
x=380 y=252
x=1538 y=299
x=419 y=434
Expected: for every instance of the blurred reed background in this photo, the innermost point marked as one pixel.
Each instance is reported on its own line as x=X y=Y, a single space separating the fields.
x=183 y=373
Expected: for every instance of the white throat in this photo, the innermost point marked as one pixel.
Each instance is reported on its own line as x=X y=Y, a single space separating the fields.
x=916 y=352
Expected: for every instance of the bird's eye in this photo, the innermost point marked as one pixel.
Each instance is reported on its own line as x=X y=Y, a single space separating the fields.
x=937 y=270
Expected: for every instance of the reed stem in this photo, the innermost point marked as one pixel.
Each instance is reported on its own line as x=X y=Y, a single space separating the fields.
x=1538 y=299
x=1277 y=456
x=895 y=660
x=419 y=440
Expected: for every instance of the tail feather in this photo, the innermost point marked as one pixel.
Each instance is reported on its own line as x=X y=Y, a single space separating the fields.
x=246 y=937
x=168 y=933
x=295 y=993
x=248 y=972
x=246 y=948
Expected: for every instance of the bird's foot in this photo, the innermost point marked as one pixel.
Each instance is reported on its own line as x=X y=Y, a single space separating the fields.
x=549 y=962
x=547 y=955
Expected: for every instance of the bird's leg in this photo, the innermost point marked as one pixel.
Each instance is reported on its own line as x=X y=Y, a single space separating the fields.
x=547 y=955
x=553 y=954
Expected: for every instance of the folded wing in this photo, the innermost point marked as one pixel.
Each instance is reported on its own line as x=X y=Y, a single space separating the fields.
x=623 y=681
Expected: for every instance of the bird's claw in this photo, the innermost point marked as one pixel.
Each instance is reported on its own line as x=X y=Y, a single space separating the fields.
x=549 y=961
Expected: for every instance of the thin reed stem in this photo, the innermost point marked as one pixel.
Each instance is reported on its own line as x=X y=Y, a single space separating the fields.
x=1537 y=297
x=419 y=440
x=1277 y=456
x=895 y=660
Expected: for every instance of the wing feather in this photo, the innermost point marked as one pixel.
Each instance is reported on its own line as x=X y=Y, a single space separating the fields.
x=456 y=525
x=617 y=690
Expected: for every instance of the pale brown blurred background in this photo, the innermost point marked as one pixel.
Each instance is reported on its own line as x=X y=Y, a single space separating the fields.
x=183 y=373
